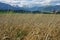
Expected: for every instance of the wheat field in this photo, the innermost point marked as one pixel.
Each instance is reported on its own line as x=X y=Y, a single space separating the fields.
x=29 y=27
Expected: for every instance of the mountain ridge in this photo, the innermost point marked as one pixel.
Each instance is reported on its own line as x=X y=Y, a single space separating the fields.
x=4 y=6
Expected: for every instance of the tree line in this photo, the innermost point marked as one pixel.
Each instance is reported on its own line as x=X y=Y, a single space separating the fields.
x=22 y=11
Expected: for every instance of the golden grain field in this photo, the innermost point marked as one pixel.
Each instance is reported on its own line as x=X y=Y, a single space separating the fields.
x=29 y=27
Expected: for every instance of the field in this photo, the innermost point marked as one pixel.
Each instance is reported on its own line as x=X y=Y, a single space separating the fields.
x=29 y=26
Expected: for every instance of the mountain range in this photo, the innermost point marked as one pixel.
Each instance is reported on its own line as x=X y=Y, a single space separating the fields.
x=4 y=6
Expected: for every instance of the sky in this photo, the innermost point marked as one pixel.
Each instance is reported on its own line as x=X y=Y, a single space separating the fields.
x=31 y=3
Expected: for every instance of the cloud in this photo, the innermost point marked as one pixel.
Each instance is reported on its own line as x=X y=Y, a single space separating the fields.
x=31 y=3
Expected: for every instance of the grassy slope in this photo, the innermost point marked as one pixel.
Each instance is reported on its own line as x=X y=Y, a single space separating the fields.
x=30 y=26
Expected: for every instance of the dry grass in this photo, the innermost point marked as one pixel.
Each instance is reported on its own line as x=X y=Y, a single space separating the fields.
x=29 y=27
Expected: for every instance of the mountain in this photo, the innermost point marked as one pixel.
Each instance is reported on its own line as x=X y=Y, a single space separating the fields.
x=4 y=6
x=50 y=8
x=44 y=8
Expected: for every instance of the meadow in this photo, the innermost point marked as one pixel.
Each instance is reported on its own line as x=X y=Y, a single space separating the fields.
x=29 y=26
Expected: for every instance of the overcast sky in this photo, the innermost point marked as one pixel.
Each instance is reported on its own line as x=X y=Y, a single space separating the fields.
x=31 y=3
